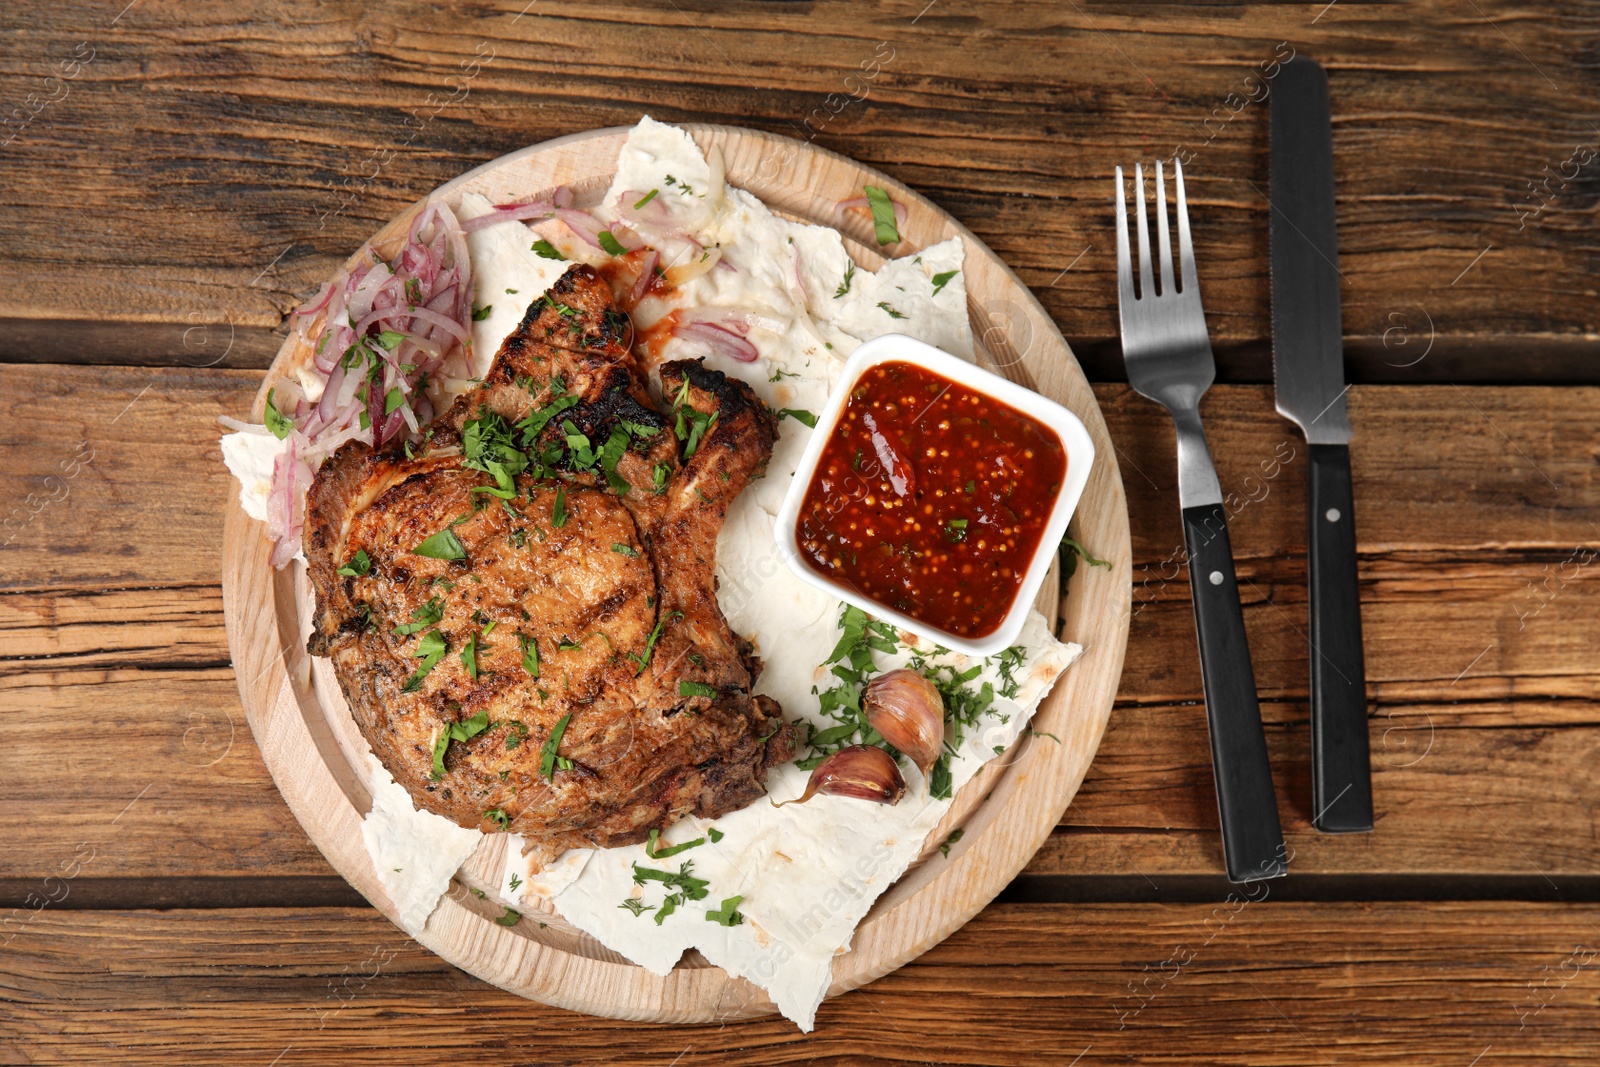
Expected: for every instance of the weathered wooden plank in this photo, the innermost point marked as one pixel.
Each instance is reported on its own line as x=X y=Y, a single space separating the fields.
x=254 y=151
x=1242 y=981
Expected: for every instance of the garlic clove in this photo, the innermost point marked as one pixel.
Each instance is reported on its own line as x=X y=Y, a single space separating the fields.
x=908 y=710
x=865 y=772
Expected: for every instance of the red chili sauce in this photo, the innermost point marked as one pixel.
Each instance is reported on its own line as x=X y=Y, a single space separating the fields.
x=930 y=498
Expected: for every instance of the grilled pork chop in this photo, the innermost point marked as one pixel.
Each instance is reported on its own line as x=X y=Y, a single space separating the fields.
x=554 y=662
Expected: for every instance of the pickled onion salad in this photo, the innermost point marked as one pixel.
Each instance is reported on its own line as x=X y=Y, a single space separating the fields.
x=381 y=334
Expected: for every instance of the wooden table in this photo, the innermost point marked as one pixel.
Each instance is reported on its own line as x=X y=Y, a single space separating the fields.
x=195 y=169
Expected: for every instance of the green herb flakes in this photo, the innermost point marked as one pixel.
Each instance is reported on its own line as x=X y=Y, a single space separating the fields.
x=727 y=914
x=359 y=565
x=279 y=423
x=422 y=618
x=652 y=849
x=442 y=545
x=465 y=730
x=548 y=759
x=798 y=415
x=545 y=250
x=883 y=220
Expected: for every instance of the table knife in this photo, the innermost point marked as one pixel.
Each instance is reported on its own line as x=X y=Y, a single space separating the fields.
x=1308 y=366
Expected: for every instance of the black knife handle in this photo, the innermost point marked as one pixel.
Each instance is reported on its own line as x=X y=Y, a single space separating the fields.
x=1341 y=769
x=1252 y=838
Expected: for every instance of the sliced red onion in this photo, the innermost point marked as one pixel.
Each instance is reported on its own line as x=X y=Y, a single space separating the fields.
x=369 y=299
x=721 y=339
x=647 y=277
x=538 y=209
x=583 y=224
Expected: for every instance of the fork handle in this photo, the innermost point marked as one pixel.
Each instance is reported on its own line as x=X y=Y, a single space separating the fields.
x=1341 y=770
x=1252 y=837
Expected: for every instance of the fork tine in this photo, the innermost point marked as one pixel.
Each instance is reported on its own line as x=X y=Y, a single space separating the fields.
x=1124 y=266
x=1191 y=280
x=1146 y=284
x=1163 y=241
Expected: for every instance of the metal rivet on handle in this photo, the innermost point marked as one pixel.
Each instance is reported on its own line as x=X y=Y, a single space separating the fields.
x=1332 y=515
x=1216 y=577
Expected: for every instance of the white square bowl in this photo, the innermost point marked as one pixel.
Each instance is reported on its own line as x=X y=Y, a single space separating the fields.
x=893 y=348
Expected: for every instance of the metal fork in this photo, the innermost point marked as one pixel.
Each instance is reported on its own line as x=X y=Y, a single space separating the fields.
x=1168 y=354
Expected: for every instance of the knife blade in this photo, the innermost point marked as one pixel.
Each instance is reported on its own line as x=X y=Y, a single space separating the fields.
x=1308 y=368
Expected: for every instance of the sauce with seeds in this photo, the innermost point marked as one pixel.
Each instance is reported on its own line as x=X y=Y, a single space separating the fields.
x=930 y=498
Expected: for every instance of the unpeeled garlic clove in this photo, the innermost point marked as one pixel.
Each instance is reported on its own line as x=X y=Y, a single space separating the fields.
x=908 y=710
x=865 y=772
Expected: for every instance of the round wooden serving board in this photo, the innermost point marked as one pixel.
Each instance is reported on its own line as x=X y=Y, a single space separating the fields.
x=319 y=759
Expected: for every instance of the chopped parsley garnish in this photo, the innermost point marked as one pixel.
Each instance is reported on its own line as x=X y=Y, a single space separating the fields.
x=569 y=646
x=430 y=650
x=558 y=514
x=638 y=907
x=1009 y=660
x=548 y=759
x=685 y=886
x=422 y=618
x=442 y=545
x=642 y=661
x=389 y=339
x=500 y=819
x=715 y=835
x=660 y=473
x=624 y=550
x=942 y=280
x=645 y=199
x=469 y=657
x=610 y=243
x=652 y=850
x=359 y=564
x=844 y=286
x=728 y=914
x=891 y=312
x=279 y=423
x=691 y=425
x=798 y=415
x=530 y=656
x=393 y=399
x=696 y=689
x=779 y=375
x=516 y=882
x=480 y=313
x=545 y=250
x=955 y=835
x=516 y=735
x=955 y=530
x=465 y=730
x=510 y=918
x=883 y=221
x=1071 y=552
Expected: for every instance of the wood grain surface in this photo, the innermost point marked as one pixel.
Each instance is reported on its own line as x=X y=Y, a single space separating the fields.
x=195 y=169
